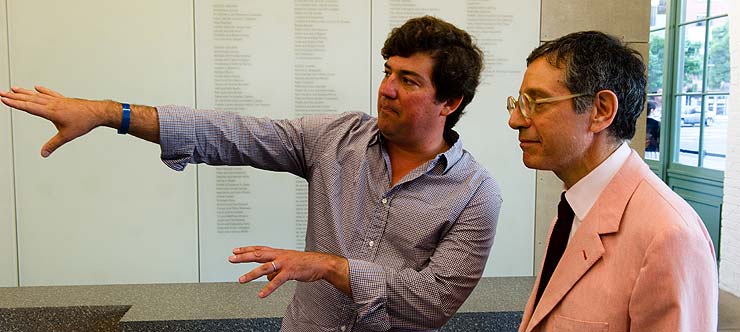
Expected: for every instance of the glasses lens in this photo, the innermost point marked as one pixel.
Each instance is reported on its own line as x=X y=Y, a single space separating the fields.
x=524 y=104
x=510 y=104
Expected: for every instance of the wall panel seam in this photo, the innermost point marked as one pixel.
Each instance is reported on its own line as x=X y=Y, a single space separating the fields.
x=12 y=154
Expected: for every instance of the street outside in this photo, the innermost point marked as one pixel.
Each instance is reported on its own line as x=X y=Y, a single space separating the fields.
x=715 y=143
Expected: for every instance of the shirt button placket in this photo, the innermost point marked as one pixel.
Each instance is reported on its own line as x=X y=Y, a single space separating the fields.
x=371 y=243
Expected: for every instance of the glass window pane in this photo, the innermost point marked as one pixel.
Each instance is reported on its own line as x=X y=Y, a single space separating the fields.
x=688 y=135
x=652 y=127
x=718 y=56
x=693 y=10
x=691 y=58
x=656 y=61
x=715 y=131
x=719 y=7
x=658 y=14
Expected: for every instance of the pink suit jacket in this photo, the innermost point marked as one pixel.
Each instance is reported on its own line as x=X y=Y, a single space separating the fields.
x=642 y=260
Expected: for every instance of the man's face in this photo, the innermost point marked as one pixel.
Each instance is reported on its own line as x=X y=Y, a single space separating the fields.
x=407 y=108
x=555 y=137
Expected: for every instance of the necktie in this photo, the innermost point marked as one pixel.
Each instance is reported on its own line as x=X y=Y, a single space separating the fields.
x=556 y=247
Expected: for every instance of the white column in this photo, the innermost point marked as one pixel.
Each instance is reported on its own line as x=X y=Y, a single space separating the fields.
x=729 y=269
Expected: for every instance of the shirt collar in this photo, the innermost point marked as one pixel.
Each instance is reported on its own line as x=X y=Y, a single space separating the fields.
x=455 y=152
x=582 y=195
x=449 y=157
x=377 y=138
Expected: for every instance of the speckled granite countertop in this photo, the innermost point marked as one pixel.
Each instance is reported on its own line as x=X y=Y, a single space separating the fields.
x=206 y=306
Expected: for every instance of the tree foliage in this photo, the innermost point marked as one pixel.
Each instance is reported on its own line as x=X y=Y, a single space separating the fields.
x=692 y=64
x=718 y=62
x=655 y=62
x=692 y=56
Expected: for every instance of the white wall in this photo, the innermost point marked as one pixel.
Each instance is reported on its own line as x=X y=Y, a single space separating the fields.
x=8 y=254
x=729 y=268
x=102 y=209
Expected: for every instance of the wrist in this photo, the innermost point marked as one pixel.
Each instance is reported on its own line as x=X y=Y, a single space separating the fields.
x=125 y=119
x=337 y=273
x=108 y=113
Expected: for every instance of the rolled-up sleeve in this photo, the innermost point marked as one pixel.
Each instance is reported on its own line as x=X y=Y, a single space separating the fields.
x=176 y=135
x=189 y=136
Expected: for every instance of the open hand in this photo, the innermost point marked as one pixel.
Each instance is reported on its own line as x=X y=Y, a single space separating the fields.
x=72 y=117
x=280 y=265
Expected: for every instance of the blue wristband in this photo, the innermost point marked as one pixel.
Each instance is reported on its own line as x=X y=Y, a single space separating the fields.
x=125 y=119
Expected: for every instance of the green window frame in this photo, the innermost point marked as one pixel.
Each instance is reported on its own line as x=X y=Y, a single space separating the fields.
x=683 y=81
x=676 y=51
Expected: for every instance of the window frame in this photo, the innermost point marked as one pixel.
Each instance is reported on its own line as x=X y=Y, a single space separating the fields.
x=667 y=163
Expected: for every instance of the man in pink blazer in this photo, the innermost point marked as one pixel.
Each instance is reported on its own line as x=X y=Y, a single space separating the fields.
x=626 y=253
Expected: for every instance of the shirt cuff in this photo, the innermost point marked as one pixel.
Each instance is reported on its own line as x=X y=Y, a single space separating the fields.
x=176 y=135
x=368 y=284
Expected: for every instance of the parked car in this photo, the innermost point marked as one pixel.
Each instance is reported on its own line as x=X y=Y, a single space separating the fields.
x=692 y=116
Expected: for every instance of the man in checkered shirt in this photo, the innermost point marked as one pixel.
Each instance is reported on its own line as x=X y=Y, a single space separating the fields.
x=401 y=218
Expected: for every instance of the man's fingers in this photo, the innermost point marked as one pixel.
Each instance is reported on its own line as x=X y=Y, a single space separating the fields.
x=47 y=91
x=252 y=257
x=241 y=250
x=257 y=272
x=260 y=254
x=53 y=144
x=29 y=95
x=28 y=107
x=274 y=284
x=28 y=101
x=277 y=272
x=22 y=91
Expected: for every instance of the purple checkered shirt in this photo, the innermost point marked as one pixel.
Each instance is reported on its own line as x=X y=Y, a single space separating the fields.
x=416 y=250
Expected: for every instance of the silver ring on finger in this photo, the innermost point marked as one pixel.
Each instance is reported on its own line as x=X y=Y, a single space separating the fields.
x=274 y=267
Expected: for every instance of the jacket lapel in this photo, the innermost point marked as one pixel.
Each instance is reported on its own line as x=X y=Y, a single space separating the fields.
x=586 y=248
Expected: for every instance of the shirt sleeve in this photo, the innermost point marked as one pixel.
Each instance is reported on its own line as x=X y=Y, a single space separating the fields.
x=389 y=298
x=676 y=289
x=189 y=136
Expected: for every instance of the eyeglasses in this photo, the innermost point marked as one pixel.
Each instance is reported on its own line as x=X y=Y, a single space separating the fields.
x=527 y=104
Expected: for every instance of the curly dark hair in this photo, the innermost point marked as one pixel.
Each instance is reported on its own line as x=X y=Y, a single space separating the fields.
x=458 y=62
x=594 y=61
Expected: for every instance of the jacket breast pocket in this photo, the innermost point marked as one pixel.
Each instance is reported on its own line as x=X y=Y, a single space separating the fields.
x=565 y=324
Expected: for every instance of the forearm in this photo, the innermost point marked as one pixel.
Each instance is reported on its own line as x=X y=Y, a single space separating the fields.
x=337 y=274
x=144 y=121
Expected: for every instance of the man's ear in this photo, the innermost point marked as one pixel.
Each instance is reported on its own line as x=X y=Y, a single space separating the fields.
x=604 y=110
x=450 y=105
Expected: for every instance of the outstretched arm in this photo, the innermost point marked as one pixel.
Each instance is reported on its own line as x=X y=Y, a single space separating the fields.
x=76 y=117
